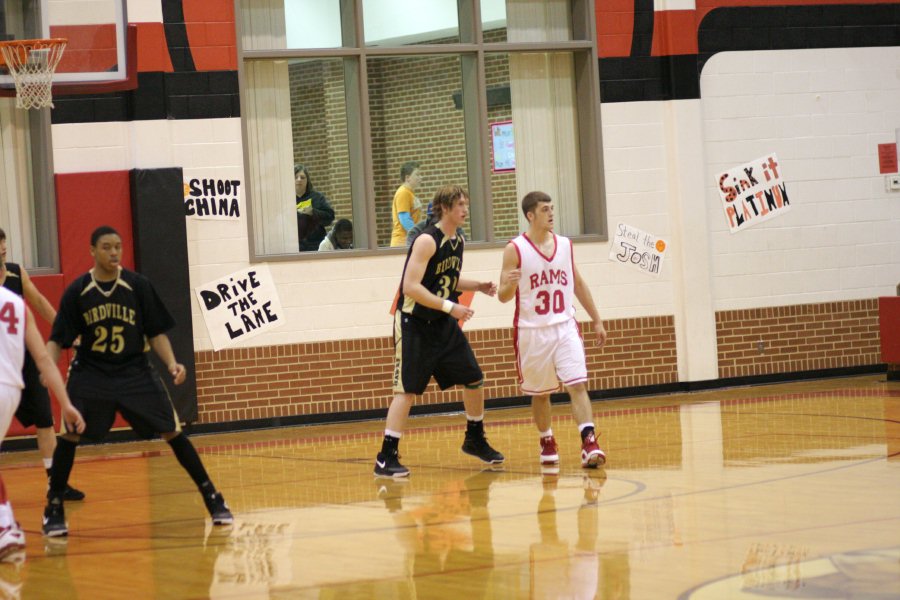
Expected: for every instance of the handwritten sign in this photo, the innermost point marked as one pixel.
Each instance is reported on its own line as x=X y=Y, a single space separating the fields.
x=753 y=193
x=240 y=306
x=638 y=249
x=212 y=198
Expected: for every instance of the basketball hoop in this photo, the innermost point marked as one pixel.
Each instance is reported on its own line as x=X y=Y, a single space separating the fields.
x=31 y=64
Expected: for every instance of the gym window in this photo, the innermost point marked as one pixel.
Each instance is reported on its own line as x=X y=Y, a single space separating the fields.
x=353 y=89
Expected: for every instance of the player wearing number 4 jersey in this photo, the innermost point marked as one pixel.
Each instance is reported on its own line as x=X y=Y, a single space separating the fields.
x=18 y=331
x=539 y=272
x=118 y=317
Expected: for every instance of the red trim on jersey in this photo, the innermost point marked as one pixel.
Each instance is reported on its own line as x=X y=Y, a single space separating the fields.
x=542 y=392
x=538 y=250
x=516 y=321
x=578 y=329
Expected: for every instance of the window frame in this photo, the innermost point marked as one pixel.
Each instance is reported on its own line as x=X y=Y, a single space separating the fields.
x=583 y=48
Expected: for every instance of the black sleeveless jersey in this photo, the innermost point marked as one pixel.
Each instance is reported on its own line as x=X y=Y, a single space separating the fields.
x=441 y=273
x=14 y=279
x=114 y=320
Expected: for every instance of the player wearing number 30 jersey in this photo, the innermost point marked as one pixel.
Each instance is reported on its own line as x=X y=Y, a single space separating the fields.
x=539 y=272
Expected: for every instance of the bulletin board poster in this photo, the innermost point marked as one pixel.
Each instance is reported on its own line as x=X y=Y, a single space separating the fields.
x=503 y=147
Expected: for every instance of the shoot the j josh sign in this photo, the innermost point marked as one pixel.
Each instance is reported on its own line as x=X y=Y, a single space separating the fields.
x=753 y=193
x=240 y=306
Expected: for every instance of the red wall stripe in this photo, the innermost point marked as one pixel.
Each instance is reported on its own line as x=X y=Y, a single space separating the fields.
x=211 y=33
x=153 y=51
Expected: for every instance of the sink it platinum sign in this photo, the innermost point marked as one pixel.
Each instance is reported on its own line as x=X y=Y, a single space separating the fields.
x=753 y=193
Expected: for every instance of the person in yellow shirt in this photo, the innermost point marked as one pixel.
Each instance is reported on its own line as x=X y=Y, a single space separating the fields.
x=406 y=209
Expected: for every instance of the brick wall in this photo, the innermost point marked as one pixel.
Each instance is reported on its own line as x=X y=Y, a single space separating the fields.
x=802 y=337
x=412 y=118
x=355 y=375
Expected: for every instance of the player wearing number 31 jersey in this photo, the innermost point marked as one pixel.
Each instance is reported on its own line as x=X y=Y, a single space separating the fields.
x=539 y=272
x=427 y=340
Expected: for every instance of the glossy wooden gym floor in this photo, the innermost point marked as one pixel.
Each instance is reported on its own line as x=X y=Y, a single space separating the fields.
x=784 y=491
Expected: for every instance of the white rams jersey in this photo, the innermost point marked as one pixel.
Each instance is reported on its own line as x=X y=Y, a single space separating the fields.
x=12 y=338
x=546 y=292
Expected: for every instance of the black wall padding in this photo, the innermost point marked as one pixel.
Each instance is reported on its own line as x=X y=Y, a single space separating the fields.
x=161 y=253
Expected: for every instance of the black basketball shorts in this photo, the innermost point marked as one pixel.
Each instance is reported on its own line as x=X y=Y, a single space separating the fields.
x=141 y=398
x=34 y=409
x=426 y=349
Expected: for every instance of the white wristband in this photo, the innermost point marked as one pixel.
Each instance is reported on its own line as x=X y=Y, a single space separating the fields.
x=447 y=306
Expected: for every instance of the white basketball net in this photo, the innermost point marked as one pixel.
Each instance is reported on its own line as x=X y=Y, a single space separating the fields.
x=31 y=64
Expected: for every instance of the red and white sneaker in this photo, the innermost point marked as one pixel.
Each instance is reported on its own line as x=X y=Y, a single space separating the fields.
x=12 y=544
x=591 y=454
x=549 y=451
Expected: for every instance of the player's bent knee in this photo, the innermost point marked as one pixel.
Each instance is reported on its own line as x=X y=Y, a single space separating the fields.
x=475 y=386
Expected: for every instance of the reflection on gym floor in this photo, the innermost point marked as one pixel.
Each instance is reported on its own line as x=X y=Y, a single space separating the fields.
x=788 y=491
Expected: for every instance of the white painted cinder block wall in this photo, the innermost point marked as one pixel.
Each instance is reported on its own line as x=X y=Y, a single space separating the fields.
x=840 y=241
x=823 y=112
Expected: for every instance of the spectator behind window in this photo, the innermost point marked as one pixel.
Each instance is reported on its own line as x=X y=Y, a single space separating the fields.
x=406 y=208
x=314 y=212
x=340 y=237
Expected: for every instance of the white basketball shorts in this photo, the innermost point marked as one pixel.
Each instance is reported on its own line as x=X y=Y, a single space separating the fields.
x=9 y=402
x=546 y=356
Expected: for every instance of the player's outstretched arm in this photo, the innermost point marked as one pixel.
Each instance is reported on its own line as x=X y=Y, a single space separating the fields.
x=36 y=299
x=470 y=285
x=163 y=348
x=510 y=274
x=50 y=374
x=583 y=293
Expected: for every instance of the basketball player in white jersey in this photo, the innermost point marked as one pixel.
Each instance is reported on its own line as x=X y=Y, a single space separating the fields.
x=539 y=272
x=18 y=331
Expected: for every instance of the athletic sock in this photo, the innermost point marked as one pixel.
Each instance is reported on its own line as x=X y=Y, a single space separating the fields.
x=587 y=430
x=63 y=459
x=187 y=455
x=390 y=444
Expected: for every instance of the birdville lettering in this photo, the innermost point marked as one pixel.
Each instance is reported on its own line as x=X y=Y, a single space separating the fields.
x=237 y=296
x=212 y=198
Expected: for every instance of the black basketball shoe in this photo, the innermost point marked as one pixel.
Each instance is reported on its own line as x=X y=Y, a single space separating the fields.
x=71 y=494
x=477 y=445
x=55 y=519
x=218 y=510
x=387 y=464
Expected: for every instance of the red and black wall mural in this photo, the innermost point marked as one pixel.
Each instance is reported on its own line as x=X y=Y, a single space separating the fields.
x=659 y=55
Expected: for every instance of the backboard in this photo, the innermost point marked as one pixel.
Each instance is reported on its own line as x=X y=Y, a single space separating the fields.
x=97 y=50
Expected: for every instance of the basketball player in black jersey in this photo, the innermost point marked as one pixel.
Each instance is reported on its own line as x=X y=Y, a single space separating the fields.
x=427 y=339
x=34 y=409
x=119 y=317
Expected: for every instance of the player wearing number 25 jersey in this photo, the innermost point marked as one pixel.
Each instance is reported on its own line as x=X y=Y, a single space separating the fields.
x=539 y=272
x=118 y=317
